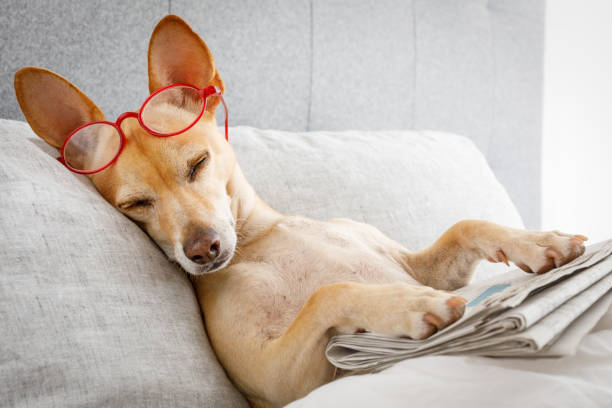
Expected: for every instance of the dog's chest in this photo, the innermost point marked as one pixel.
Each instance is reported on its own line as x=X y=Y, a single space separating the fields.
x=299 y=256
x=319 y=253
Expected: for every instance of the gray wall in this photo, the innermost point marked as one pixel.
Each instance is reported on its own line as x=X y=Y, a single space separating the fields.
x=472 y=67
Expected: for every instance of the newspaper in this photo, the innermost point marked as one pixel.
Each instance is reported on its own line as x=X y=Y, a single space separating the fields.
x=515 y=314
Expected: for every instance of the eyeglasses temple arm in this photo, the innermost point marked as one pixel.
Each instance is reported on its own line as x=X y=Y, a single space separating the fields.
x=226 y=121
x=215 y=91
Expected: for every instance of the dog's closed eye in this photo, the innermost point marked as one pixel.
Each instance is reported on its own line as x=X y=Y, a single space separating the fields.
x=196 y=165
x=137 y=204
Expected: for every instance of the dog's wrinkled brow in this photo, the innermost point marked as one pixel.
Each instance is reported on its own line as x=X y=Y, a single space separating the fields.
x=190 y=150
x=187 y=155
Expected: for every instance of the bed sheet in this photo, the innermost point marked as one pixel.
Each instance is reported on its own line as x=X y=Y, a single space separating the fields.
x=583 y=380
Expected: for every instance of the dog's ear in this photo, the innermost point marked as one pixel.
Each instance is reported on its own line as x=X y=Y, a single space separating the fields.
x=178 y=55
x=52 y=105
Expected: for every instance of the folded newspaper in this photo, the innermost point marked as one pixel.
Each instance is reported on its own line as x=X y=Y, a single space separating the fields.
x=515 y=314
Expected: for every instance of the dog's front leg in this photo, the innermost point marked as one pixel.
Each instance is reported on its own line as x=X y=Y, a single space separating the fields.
x=450 y=262
x=295 y=362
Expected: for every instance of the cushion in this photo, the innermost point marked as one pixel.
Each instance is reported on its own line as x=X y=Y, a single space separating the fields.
x=412 y=185
x=91 y=312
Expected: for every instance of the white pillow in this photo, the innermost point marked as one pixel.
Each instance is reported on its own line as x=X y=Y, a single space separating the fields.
x=412 y=185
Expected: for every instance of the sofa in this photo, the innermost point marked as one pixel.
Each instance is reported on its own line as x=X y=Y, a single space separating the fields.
x=93 y=314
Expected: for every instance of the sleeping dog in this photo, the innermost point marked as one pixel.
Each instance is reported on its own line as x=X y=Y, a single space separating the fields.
x=274 y=289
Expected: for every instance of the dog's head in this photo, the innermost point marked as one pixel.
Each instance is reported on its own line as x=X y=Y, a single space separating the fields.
x=175 y=188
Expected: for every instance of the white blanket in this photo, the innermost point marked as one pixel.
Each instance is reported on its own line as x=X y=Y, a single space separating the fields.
x=583 y=380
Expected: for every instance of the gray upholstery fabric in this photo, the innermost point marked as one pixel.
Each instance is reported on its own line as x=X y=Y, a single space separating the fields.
x=472 y=67
x=363 y=65
x=91 y=312
x=98 y=45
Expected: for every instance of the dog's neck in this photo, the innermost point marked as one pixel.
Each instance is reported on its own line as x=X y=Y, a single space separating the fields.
x=254 y=218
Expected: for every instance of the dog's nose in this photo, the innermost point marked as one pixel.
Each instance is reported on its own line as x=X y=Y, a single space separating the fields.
x=203 y=246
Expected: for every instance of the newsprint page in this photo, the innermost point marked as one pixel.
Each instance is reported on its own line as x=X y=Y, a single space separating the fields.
x=514 y=314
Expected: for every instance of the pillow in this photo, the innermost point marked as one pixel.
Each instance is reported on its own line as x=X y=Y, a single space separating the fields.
x=412 y=185
x=91 y=312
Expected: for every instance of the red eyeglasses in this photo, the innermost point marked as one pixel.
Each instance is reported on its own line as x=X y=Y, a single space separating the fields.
x=93 y=147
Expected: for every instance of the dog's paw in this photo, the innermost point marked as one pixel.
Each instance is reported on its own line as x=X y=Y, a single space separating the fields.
x=540 y=252
x=419 y=311
x=447 y=312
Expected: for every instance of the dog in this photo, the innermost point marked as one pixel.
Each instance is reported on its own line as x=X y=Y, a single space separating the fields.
x=273 y=289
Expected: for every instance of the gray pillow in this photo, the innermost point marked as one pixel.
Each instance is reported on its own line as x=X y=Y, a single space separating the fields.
x=91 y=312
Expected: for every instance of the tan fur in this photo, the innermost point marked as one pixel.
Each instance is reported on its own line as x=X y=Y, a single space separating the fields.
x=292 y=282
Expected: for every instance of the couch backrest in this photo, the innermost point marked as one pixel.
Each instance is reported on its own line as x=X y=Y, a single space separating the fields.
x=472 y=67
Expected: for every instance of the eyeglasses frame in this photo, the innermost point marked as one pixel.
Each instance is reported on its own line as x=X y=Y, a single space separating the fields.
x=204 y=93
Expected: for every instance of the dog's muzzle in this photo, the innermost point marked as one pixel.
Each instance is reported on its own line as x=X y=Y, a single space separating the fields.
x=205 y=248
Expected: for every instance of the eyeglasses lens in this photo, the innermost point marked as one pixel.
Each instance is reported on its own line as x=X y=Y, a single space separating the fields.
x=92 y=147
x=172 y=110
